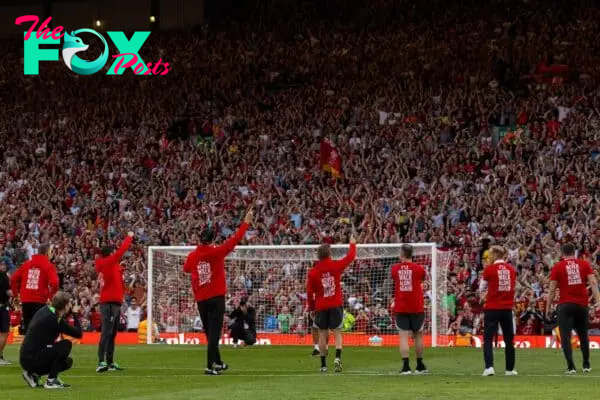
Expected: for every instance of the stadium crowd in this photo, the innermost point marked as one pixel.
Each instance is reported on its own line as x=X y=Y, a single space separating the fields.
x=457 y=125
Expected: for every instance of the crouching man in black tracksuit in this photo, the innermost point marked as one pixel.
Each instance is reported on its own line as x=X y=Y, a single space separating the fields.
x=243 y=324
x=40 y=353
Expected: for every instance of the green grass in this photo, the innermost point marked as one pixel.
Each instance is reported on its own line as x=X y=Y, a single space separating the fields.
x=263 y=373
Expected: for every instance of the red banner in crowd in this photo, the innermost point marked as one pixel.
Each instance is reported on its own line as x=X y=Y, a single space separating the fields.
x=331 y=160
x=551 y=74
x=554 y=69
x=278 y=339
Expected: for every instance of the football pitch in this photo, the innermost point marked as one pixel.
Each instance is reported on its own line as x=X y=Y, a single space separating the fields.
x=168 y=372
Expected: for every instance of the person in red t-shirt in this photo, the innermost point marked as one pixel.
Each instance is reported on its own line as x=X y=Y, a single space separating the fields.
x=408 y=280
x=571 y=276
x=206 y=265
x=499 y=278
x=324 y=293
x=112 y=289
x=35 y=282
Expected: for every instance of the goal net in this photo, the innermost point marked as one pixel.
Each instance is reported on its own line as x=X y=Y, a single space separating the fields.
x=273 y=278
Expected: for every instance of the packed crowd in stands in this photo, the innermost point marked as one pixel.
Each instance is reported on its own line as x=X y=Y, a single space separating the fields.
x=455 y=124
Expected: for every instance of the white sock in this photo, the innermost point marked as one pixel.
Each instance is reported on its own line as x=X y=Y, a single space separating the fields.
x=317 y=347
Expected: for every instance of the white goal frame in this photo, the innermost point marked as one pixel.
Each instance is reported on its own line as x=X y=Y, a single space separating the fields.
x=433 y=273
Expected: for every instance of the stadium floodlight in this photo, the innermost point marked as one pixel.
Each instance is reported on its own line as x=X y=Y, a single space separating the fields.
x=275 y=276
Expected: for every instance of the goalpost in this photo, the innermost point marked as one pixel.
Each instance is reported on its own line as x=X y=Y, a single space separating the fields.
x=273 y=279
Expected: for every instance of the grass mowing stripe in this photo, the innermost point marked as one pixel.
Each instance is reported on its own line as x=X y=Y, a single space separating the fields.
x=289 y=373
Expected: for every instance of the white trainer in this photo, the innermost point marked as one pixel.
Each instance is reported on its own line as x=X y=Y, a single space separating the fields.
x=588 y=369
x=31 y=379
x=489 y=371
x=337 y=365
x=511 y=373
x=570 y=371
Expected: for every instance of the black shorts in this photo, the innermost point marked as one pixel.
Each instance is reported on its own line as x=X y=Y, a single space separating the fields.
x=332 y=318
x=410 y=321
x=4 y=319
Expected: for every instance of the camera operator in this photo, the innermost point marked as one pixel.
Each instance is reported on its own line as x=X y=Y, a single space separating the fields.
x=41 y=354
x=243 y=324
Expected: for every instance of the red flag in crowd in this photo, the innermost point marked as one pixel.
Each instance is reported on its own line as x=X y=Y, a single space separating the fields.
x=330 y=158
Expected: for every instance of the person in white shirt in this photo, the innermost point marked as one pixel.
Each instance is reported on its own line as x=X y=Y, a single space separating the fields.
x=171 y=326
x=134 y=315
x=197 y=324
x=30 y=247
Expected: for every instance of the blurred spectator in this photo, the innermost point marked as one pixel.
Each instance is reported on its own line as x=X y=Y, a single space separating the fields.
x=349 y=320
x=133 y=315
x=95 y=320
x=381 y=323
x=285 y=320
x=171 y=325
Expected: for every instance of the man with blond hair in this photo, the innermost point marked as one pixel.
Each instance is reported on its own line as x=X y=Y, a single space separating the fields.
x=498 y=290
x=325 y=299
